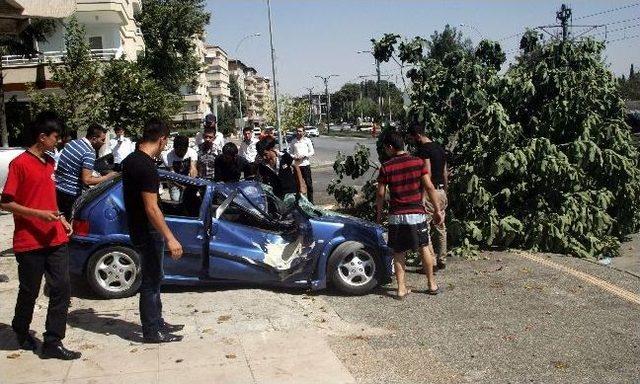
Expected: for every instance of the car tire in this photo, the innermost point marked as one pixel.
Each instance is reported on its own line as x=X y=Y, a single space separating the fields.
x=114 y=272
x=353 y=268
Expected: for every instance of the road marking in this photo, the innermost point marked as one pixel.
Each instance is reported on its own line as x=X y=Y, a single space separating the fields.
x=611 y=288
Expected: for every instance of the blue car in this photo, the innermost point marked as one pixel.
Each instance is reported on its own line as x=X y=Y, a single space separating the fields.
x=230 y=233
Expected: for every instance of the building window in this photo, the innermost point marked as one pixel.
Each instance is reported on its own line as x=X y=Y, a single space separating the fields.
x=95 y=42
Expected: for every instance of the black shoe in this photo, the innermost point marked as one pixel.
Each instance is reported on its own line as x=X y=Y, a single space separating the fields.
x=169 y=328
x=27 y=342
x=58 y=351
x=161 y=337
x=441 y=265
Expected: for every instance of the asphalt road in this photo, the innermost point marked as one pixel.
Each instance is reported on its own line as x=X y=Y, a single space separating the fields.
x=502 y=319
x=326 y=149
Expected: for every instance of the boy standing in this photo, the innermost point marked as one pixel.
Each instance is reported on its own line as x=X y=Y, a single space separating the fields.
x=148 y=229
x=407 y=177
x=40 y=239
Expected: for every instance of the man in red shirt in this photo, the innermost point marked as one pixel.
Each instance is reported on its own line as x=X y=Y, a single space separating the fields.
x=40 y=239
x=407 y=178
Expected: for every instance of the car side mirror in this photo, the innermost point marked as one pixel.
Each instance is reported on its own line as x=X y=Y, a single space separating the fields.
x=225 y=204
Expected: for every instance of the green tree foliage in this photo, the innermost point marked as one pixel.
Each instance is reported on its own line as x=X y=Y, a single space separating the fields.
x=541 y=156
x=227 y=115
x=294 y=113
x=23 y=43
x=130 y=97
x=169 y=27
x=79 y=76
x=347 y=104
x=119 y=93
x=630 y=86
x=235 y=90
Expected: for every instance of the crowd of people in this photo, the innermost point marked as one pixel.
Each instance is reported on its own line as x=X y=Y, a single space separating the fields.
x=43 y=184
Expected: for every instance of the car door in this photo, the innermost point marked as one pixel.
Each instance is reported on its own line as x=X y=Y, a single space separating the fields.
x=248 y=245
x=184 y=211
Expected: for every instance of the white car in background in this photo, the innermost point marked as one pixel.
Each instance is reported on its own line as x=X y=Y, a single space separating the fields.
x=312 y=131
x=6 y=155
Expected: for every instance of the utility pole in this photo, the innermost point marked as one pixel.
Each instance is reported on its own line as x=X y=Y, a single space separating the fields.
x=379 y=90
x=563 y=15
x=310 y=106
x=275 y=81
x=379 y=86
x=325 y=79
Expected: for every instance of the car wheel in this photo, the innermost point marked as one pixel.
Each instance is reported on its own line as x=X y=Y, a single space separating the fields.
x=353 y=269
x=114 y=272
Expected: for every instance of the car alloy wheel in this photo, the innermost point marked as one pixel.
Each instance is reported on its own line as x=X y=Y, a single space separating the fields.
x=357 y=268
x=115 y=272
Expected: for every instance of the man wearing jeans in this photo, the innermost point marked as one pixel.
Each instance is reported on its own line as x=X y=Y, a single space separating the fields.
x=302 y=150
x=148 y=229
x=436 y=160
x=39 y=239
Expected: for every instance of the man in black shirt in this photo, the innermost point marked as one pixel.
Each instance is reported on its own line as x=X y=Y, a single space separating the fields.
x=147 y=228
x=229 y=165
x=278 y=171
x=436 y=160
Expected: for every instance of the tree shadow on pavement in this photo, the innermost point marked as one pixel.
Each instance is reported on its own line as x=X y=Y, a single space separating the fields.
x=105 y=324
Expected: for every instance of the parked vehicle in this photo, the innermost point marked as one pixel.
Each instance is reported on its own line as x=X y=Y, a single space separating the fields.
x=312 y=131
x=230 y=233
x=6 y=155
x=365 y=127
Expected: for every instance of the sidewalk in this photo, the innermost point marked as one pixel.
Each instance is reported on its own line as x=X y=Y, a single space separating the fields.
x=231 y=336
x=237 y=335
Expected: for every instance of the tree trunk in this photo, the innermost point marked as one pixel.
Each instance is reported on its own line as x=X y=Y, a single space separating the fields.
x=4 y=133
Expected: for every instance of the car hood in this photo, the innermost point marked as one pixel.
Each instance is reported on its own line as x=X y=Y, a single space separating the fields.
x=334 y=217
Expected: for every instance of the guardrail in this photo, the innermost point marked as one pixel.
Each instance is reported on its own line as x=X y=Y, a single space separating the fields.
x=56 y=57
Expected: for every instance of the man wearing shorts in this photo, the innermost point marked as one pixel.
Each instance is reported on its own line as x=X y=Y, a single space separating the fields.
x=407 y=178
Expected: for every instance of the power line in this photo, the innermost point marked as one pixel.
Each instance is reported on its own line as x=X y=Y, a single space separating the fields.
x=608 y=11
x=617 y=30
x=621 y=21
x=624 y=38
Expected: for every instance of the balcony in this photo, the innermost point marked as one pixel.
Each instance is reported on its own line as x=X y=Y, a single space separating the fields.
x=56 y=57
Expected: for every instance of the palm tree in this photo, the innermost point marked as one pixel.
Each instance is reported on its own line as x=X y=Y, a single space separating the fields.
x=22 y=43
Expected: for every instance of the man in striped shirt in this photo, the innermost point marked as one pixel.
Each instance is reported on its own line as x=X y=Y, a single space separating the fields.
x=75 y=168
x=407 y=178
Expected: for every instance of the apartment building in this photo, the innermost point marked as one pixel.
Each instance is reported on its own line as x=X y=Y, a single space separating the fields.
x=196 y=98
x=263 y=95
x=256 y=89
x=217 y=73
x=111 y=32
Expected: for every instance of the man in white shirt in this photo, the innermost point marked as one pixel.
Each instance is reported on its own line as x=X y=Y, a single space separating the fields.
x=181 y=159
x=301 y=151
x=120 y=147
x=248 y=145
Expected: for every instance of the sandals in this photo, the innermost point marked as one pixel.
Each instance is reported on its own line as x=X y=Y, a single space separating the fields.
x=402 y=297
x=432 y=292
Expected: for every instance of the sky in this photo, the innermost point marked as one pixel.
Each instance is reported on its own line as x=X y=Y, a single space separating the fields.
x=322 y=37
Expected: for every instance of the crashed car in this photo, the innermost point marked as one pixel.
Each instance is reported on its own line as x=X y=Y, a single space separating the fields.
x=230 y=233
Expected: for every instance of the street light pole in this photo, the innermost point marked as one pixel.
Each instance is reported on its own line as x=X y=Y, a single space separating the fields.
x=326 y=91
x=273 y=70
x=310 y=109
x=256 y=34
